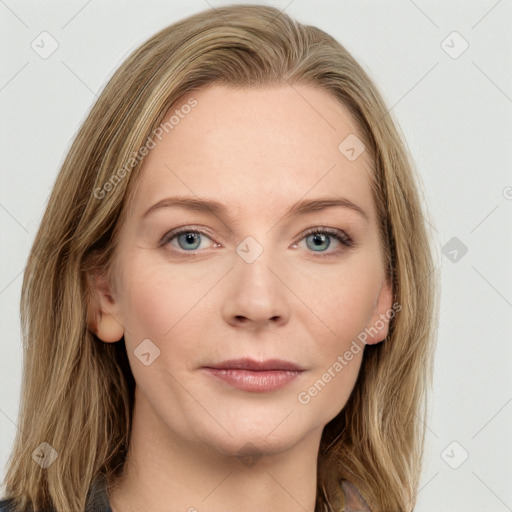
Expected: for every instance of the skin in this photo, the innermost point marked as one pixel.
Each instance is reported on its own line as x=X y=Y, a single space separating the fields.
x=258 y=151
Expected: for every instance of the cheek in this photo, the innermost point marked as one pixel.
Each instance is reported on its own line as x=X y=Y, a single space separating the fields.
x=156 y=298
x=328 y=389
x=166 y=307
x=157 y=306
x=344 y=303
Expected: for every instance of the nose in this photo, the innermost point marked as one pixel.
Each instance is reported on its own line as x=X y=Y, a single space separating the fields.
x=257 y=295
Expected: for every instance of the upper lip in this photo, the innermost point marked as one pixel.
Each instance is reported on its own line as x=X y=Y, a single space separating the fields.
x=253 y=365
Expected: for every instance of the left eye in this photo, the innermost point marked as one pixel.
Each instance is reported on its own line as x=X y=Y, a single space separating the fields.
x=317 y=238
x=321 y=239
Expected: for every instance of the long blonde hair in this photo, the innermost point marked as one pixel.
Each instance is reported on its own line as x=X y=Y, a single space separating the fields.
x=77 y=392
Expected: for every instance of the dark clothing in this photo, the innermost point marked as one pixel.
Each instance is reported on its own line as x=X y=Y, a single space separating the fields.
x=97 y=498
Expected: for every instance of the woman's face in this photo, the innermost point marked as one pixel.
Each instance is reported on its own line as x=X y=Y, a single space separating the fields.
x=255 y=283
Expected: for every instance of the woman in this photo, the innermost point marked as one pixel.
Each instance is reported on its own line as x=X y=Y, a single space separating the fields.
x=230 y=302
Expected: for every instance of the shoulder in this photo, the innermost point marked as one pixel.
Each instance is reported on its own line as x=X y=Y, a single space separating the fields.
x=354 y=502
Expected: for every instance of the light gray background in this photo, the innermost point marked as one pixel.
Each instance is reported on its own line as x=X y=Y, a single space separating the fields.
x=456 y=114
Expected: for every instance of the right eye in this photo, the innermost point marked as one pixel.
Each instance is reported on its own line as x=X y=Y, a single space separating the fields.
x=188 y=239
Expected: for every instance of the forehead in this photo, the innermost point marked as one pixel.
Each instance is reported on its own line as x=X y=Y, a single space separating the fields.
x=251 y=145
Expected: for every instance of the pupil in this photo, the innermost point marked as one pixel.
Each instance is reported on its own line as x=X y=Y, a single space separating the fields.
x=190 y=238
x=318 y=239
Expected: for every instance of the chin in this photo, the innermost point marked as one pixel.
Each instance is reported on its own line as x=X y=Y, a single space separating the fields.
x=249 y=448
x=253 y=435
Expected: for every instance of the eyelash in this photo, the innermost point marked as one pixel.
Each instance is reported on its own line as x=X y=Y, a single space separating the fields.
x=339 y=235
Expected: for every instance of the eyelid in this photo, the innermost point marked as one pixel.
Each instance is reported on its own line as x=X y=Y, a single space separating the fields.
x=340 y=235
x=325 y=229
x=185 y=229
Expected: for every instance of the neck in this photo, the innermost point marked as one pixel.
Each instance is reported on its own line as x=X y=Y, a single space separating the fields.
x=164 y=473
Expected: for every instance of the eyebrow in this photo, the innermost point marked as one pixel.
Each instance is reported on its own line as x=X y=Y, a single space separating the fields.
x=216 y=208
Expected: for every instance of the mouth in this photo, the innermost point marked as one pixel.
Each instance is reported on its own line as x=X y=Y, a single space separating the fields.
x=255 y=366
x=255 y=376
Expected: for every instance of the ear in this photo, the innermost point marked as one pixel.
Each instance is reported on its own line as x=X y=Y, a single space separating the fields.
x=102 y=309
x=378 y=327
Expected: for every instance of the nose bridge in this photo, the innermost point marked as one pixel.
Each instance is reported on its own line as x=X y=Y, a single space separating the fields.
x=257 y=293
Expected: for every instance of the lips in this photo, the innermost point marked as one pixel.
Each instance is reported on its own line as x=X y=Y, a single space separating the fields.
x=254 y=376
x=257 y=366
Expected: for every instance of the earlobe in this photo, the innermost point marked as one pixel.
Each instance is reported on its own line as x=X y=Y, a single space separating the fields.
x=109 y=329
x=101 y=319
x=378 y=328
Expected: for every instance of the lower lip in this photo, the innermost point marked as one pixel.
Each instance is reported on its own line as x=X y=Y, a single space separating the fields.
x=255 y=381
